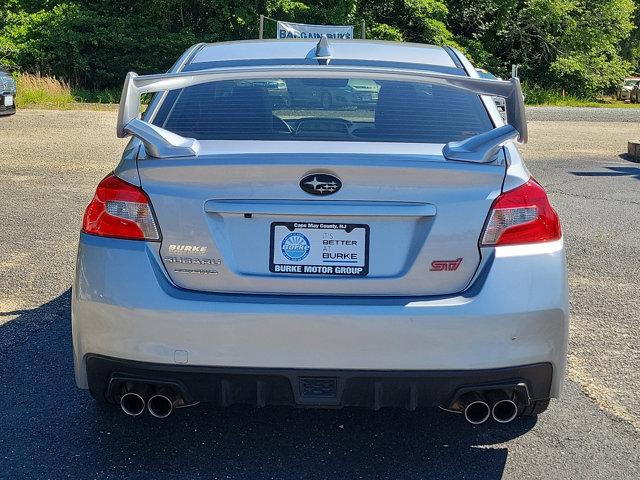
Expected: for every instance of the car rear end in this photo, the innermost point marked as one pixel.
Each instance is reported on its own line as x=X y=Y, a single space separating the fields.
x=321 y=256
x=359 y=93
x=7 y=94
x=626 y=91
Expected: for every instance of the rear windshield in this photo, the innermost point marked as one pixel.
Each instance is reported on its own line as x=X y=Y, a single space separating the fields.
x=323 y=109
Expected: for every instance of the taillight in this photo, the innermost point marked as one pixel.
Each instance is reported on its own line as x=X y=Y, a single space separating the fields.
x=522 y=215
x=120 y=210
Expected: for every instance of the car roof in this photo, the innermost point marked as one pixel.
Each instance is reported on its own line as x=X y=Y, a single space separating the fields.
x=344 y=51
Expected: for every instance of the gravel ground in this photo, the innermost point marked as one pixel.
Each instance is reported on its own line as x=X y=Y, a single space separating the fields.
x=49 y=429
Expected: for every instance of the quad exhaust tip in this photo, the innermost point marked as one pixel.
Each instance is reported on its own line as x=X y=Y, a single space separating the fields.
x=503 y=408
x=132 y=404
x=161 y=405
x=504 y=411
x=476 y=411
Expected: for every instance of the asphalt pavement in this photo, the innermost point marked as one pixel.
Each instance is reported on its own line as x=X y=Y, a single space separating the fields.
x=50 y=163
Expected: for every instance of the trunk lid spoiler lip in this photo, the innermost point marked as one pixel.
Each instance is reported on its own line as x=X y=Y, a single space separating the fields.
x=161 y=143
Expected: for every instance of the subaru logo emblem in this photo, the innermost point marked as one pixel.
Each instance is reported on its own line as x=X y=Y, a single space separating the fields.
x=320 y=184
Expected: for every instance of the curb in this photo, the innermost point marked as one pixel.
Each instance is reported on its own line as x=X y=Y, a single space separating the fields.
x=633 y=150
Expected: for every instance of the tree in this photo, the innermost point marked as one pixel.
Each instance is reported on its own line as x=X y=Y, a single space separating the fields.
x=582 y=46
x=574 y=45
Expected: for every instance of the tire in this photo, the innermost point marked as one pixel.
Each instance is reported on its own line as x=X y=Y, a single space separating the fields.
x=536 y=408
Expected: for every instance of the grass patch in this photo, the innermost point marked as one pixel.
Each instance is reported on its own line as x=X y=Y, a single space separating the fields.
x=43 y=92
x=536 y=96
x=36 y=91
x=599 y=103
x=97 y=96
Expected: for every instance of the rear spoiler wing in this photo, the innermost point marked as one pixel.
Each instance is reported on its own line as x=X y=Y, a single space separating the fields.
x=162 y=143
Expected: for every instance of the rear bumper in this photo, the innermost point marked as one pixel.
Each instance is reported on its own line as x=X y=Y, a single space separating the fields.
x=299 y=387
x=515 y=313
x=7 y=110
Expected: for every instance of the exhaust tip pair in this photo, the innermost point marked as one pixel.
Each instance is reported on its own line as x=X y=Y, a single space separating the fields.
x=136 y=397
x=477 y=409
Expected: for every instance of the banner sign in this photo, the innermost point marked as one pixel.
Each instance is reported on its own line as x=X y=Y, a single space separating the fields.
x=301 y=30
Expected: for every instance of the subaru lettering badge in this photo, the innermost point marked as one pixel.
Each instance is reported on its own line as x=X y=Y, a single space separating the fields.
x=295 y=246
x=320 y=184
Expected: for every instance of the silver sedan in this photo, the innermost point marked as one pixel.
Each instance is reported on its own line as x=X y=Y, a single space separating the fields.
x=394 y=254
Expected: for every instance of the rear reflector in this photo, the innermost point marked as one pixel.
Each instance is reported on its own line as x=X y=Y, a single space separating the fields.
x=522 y=215
x=120 y=210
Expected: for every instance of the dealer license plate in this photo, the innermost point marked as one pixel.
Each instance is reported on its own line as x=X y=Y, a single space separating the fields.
x=307 y=248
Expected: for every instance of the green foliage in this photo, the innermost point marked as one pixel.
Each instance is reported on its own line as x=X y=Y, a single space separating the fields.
x=574 y=45
x=409 y=20
x=590 y=59
x=382 y=31
x=581 y=46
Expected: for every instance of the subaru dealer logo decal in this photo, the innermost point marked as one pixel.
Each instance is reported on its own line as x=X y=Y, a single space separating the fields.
x=320 y=184
x=295 y=246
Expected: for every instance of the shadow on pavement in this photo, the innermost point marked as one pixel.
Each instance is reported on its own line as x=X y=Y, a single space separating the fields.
x=50 y=429
x=613 y=172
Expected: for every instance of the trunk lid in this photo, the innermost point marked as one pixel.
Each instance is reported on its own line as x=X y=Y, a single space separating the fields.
x=399 y=225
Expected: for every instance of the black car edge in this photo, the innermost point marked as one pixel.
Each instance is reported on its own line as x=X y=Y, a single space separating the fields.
x=7 y=94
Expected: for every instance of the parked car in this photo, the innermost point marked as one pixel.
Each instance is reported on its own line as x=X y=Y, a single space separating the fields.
x=399 y=255
x=7 y=94
x=624 y=91
x=633 y=96
x=276 y=89
x=327 y=94
x=499 y=101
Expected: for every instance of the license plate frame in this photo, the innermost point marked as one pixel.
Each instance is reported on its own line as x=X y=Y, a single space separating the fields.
x=355 y=263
